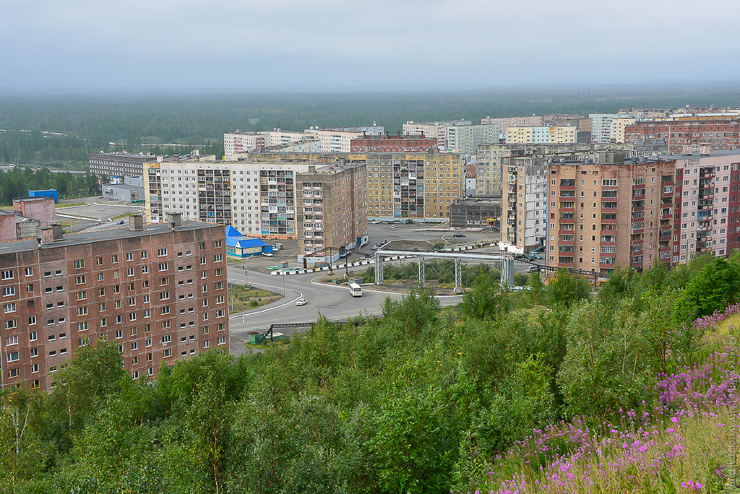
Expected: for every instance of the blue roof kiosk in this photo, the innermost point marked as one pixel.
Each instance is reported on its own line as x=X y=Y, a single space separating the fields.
x=237 y=245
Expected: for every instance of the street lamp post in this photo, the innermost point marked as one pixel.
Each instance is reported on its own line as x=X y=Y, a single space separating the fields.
x=283 y=276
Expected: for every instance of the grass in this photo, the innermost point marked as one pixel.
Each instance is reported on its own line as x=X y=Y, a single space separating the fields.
x=244 y=298
x=70 y=204
x=124 y=215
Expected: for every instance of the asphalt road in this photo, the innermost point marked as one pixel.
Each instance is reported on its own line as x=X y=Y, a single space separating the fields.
x=333 y=302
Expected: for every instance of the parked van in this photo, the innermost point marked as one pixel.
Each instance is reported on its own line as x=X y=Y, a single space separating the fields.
x=355 y=290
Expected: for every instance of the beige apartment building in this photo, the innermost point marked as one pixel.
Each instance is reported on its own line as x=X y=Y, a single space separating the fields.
x=618 y=125
x=400 y=186
x=541 y=135
x=610 y=212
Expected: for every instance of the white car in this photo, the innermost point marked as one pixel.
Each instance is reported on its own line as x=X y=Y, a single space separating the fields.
x=301 y=301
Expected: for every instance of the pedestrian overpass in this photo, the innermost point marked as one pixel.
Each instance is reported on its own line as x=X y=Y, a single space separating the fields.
x=507 y=264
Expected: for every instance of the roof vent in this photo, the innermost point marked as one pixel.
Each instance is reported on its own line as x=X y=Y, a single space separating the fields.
x=175 y=220
x=136 y=222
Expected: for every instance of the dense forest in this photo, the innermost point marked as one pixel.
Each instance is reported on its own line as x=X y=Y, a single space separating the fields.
x=17 y=182
x=173 y=124
x=420 y=400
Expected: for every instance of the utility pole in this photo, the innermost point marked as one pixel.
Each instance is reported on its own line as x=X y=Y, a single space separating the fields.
x=283 y=276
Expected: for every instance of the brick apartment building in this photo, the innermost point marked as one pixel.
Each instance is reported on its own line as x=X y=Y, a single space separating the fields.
x=159 y=292
x=399 y=143
x=678 y=133
x=611 y=213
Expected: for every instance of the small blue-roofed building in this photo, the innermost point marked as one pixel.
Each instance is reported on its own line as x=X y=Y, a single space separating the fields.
x=238 y=245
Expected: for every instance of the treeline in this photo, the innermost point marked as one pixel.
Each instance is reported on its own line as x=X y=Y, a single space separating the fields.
x=420 y=400
x=135 y=123
x=17 y=182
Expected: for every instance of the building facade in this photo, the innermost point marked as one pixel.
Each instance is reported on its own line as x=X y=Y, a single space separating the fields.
x=541 y=135
x=466 y=138
x=158 y=293
x=601 y=126
x=505 y=122
x=618 y=126
x=433 y=129
x=524 y=203
x=679 y=133
x=333 y=211
x=399 y=143
x=118 y=164
x=611 y=212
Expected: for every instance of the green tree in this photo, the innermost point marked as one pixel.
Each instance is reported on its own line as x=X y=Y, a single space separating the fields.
x=566 y=289
x=486 y=299
x=715 y=287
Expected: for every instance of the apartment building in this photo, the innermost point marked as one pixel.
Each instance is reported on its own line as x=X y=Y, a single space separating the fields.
x=159 y=292
x=400 y=186
x=680 y=133
x=505 y=122
x=399 y=143
x=541 y=135
x=601 y=126
x=465 y=139
x=257 y=197
x=618 y=126
x=524 y=203
x=707 y=208
x=332 y=216
x=118 y=164
x=339 y=140
x=490 y=158
x=433 y=129
x=611 y=211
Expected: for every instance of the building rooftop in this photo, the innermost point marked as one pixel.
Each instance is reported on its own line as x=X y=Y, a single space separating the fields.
x=101 y=236
x=720 y=152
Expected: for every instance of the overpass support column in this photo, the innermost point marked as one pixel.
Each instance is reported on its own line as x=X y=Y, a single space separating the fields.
x=458 y=275
x=378 y=268
x=422 y=269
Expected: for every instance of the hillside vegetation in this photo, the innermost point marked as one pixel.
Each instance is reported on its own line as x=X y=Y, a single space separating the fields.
x=624 y=391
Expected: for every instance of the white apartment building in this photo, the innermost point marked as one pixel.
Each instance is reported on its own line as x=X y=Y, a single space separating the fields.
x=256 y=198
x=618 y=125
x=433 y=129
x=601 y=127
x=505 y=122
x=465 y=139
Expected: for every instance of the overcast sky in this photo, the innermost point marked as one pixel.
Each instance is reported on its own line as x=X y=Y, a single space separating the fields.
x=218 y=45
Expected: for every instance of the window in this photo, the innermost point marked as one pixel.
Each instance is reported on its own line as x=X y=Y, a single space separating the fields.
x=217 y=244
x=115 y=273
x=13 y=373
x=114 y=258
x=82 y=311
x=31 y=320
x=34 y=368
x=162 y=252
x=102 y=306
x=220 y=326
x=81 y=295
x=103 y=322
x=202 y=246
x=221 y=340
x=166 y=339
x=79 y=264
x=63 y=351
x=145 y=254
x=203 y=260
x=220 y=313
x=11 y=340
x=130 y=272
x=206 y=344
x=132 y=301
x=8 y=291
x=79 y=280
x=117 y=304
x=218 y=258
x=135 y=375
x=167 y=352
x=129 y=256
x=148 y=342
x=132 y=316
x=119 y=319
x=100 y=276
x=163 y=266
x=144 y=269
x=12 y=357
x=99 y=261
x=7 y=275
x=8 y=308
x=165 y=310
x=219 y=271
x=134 y=345
x=33 y=336
x=83 y=326
x=164 y=296
x=29 y=271
x=53 y=368
x=47 y=274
